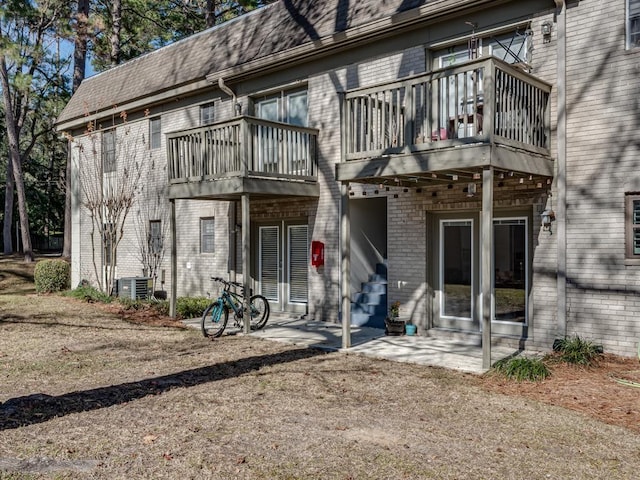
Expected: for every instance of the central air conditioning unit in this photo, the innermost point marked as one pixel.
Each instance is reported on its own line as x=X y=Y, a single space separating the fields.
x=134 y=287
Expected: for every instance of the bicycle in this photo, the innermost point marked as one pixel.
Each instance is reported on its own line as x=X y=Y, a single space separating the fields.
x=216 y=315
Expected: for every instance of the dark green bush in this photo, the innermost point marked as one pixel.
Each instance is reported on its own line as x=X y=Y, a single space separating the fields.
x=52 y=275
x=522 y=369
x=191 y=307
x=88 y=294
x=577 y=350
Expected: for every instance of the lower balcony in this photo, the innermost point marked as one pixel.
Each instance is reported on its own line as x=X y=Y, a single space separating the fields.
x=245 y=155
x=448 y=123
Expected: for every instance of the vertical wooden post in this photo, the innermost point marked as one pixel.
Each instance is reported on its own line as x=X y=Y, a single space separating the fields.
x=489 y=101
x=246 y=259
x=409 y=117
x=345 y=258
x=174 y=259
x=487 y=250
x=246 y=151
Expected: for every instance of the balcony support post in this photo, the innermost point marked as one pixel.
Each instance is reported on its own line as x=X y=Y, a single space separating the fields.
x=174 y=259
x=486 y=247
x=345 y=259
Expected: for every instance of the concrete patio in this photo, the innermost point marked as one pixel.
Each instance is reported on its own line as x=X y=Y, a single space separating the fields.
x=455 y=354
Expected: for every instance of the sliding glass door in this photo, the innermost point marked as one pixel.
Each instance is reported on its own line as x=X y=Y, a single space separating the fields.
x=457 y=278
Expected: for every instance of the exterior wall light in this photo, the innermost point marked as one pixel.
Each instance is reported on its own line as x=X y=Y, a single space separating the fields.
x=471 y=190
x=546 y=31
x=546 y=218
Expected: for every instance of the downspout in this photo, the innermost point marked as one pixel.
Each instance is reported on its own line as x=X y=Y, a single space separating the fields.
x=225 y=88
x=246 y=223
x=561 y=172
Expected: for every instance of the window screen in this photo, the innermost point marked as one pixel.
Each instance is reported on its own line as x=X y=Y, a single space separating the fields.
x=109 y=151
x=155 y=133
x=206 y=235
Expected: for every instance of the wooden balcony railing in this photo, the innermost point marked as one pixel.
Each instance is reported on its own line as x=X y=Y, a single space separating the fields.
x=483 y=100
x=243 y=146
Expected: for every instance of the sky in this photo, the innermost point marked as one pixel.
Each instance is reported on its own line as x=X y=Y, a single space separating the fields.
x=66 y=51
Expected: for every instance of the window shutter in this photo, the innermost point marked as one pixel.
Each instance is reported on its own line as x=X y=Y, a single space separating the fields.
x=298 y=261
x=269 y=261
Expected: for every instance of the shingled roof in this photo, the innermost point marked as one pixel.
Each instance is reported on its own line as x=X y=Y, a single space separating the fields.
x=270 y=30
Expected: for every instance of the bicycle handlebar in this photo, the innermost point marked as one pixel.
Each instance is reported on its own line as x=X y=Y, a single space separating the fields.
x=228 y=283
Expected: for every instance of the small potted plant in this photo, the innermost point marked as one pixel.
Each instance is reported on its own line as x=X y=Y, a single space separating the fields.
x=394 y=310
x=393 y=324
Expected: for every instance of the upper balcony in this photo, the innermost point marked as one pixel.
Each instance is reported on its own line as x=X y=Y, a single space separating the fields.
x=243 y=155
x=466 y=117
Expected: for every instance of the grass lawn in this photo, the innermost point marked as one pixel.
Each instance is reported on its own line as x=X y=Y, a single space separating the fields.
x=84 y=394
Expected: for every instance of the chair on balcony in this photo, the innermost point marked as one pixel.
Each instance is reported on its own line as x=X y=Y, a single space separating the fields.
x=471 y=116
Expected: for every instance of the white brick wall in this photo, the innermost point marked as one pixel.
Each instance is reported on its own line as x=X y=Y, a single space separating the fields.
x=602 y=91
x=602 y=164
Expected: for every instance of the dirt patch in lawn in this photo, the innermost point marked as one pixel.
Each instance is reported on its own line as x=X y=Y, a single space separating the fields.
x=85 y=394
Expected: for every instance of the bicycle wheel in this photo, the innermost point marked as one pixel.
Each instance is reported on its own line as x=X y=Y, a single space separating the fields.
x=259 y=308
x=214 y=320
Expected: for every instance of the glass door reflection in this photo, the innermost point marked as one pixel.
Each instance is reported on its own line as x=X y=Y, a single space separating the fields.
x=510 y=270
x=456 y=271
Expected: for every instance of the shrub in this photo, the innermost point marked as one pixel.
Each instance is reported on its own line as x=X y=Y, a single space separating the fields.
x=522 y=369
x=161 y=306
x=88 y=294
x=132 y=304
x=52 y=276
x=577 y=350
x=191 y=307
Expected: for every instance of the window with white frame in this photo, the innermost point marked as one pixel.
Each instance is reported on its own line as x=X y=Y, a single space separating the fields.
x=286 y=106
x=155 y=237
x=109 y=151
x=207 y=114
x=207 y=235
x=155 y=133
x=632 y=226
x=512 y=47
x=633 y=23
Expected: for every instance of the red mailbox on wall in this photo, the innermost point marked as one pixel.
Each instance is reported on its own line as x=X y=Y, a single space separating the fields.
x=317 y=253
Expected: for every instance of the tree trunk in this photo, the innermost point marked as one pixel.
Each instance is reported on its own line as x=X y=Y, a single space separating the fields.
x=210 y=13
x=14 y=153
x=79 y=71
x=8 y=210
x=80 y=43
x=116 y=25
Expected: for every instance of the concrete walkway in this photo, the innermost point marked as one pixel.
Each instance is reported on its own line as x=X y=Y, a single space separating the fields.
x=439 y=352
